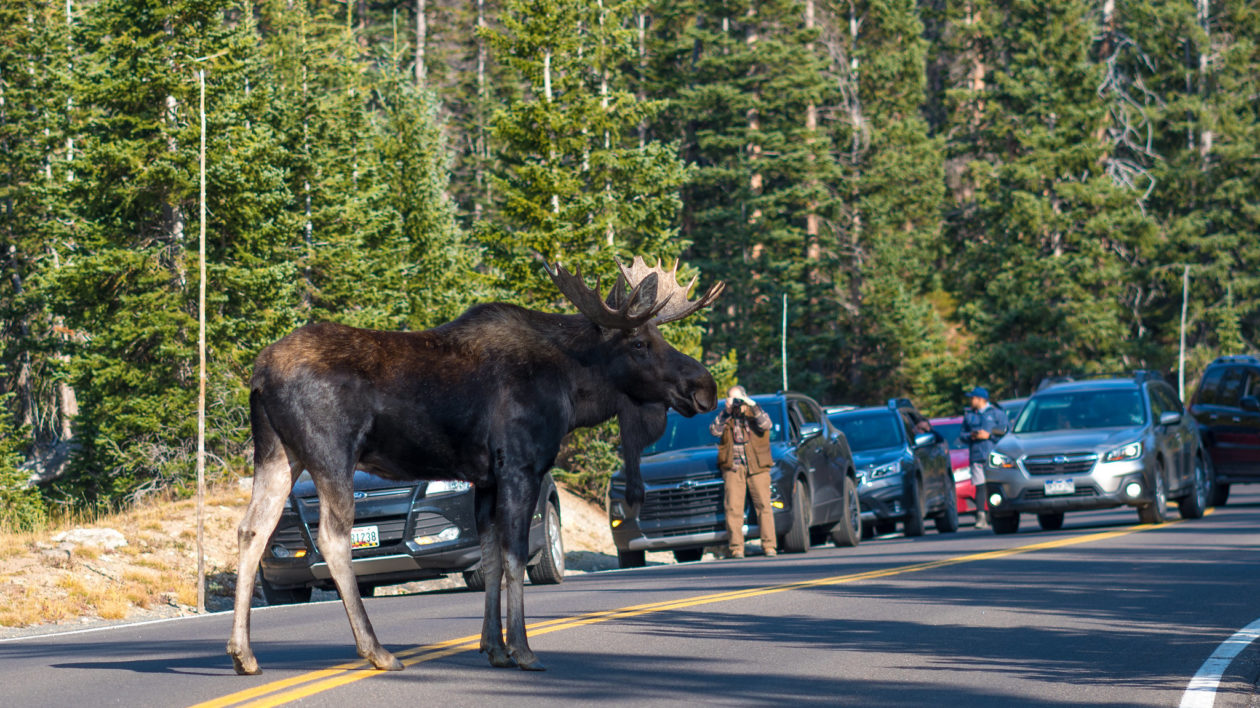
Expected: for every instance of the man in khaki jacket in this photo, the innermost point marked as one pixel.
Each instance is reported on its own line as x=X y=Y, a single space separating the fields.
x=744 y=458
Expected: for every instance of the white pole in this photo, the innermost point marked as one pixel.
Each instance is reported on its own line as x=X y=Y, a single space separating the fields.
x=201 y=363
x=783 y=343
x=1181 y=354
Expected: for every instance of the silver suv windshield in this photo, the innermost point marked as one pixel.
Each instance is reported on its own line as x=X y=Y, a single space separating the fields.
x=1082 y=410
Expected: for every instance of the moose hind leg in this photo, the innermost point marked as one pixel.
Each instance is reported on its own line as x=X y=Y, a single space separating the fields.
x=515 y=511
x=273 y=478
x=336 y=516
x=492 y=572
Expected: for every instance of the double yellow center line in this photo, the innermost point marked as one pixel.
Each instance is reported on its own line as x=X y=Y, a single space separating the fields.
x=298 y=687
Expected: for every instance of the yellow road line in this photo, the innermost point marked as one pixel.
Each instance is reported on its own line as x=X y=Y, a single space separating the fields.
x=302 y=686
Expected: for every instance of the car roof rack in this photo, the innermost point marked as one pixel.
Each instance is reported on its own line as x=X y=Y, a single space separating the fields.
x=1237 y=359
x=1138 y=376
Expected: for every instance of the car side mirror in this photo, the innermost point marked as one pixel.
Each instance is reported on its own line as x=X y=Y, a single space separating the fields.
x=1169 y=418
x=925 y=439
x=1250 y=404
x=810 y=430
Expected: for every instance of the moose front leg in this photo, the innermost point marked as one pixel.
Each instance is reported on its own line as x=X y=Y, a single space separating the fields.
x=491 y=567
x=515 y=511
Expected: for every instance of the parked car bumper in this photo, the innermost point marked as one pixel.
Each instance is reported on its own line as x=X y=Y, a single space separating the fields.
x=883 y=500
x=1106 y=486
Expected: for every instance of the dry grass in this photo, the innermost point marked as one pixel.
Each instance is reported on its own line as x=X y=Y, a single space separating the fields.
x=44 y=582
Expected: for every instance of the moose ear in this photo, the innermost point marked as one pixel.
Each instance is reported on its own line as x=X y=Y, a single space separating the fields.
x=617 y=295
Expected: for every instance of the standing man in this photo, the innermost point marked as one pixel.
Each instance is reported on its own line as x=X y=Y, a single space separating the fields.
x=744 y=458
x=982 y=425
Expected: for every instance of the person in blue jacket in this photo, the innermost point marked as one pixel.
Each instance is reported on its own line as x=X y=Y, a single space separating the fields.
x=983 y=424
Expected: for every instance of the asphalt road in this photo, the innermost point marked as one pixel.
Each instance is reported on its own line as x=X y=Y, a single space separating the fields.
x=1101 y=613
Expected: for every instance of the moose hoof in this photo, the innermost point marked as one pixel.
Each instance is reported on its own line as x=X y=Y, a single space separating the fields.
x=384 y=661
x=499 y=658
x=245 y=665
x=529 y=662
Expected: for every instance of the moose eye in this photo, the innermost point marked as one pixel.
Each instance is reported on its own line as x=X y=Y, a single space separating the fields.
x=638 y=344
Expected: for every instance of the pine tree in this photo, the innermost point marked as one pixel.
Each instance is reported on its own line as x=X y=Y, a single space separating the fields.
x=572 y=186
x=1042 y=285
x=36 y=151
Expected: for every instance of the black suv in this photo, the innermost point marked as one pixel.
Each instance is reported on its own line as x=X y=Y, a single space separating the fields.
x=403 y=531
x=903 y=467
x=1227 y=408
x=813 y=486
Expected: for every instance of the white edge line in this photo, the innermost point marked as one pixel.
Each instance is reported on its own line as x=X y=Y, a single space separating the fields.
x=129 y=625
x=1201 y=693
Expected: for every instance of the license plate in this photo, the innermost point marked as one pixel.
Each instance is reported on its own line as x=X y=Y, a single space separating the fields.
x=364 y=537
x=1060 y=486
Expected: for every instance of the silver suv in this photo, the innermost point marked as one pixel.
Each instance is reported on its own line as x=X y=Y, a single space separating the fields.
x=1098 y=444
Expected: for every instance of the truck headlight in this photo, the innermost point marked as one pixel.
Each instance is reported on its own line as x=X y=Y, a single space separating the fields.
x=1132 y=451
x=999 y=461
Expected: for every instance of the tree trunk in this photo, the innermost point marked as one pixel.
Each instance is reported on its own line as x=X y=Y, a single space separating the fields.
x=812 y=249
x=422 y=32
x=480 y=148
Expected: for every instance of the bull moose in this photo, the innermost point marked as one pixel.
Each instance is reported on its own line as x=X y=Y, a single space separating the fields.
x=486 y=398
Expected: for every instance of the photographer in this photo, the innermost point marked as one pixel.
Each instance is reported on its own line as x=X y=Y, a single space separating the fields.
x=745 y=461
x=983 y=424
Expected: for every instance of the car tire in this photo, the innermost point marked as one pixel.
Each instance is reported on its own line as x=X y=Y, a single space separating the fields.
x=1156 y=510
x=796 y=540
x=688 y=555
x=914 y=524
x=947 y=519
x=367 y=589
x=283 y=596
x=631 y=559
x=1220 y=493
x=849 y=531
x=549 y=570
x=1052 y=521
x=1007 y=524
x=475 y=580
x=1194 y=505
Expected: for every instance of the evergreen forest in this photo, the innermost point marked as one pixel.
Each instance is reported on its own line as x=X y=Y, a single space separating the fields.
x=905 y=198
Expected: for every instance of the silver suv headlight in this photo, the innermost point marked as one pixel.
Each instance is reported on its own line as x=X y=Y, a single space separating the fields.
x=1132 y=451
x=999 y=461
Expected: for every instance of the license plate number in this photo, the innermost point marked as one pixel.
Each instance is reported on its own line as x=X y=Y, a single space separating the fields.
x=1060 y=486
x=364 y=537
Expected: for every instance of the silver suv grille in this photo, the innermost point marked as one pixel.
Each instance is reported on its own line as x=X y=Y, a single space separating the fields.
x=1076 y=463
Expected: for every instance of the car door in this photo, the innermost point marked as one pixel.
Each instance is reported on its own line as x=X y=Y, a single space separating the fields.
x=814 y=454
x=1247 y=419
x=1225 y=420
x=925 y=458
x=1206 y=413
x=1180 y=436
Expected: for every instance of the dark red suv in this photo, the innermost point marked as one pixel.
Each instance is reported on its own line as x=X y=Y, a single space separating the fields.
x=1227 y=408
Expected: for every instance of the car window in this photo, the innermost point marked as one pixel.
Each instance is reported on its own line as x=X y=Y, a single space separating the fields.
x=1081 y=410
x=683 y=433
x=951 y=433
x=1168 y=399
x=807 y=412
x=874 y=430
x=1231 y=387
x=1209 y=388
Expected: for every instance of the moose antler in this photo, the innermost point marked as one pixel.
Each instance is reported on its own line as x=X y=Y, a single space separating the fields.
x=655 y=295
x=631 y=311
x=674 y=304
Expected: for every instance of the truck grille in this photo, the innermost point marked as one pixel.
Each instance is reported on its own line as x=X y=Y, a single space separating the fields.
x=682 y=498
x=390 y=529
x=1060 y=464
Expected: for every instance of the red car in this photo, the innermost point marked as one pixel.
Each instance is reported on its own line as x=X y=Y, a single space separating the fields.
x=950 y=428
